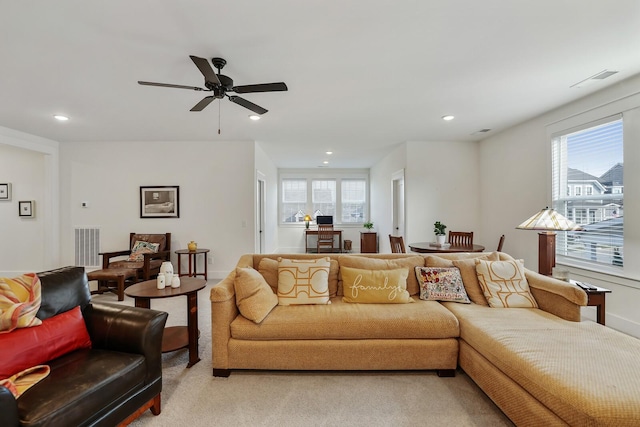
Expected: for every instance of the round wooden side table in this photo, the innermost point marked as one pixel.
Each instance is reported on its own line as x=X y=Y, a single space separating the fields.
x=193 y=265
x=174 y=337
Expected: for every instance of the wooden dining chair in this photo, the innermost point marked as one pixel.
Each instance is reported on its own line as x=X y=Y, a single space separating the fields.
x=325 y=237
x=461 y=238
x=500 y=243
x=397 y=244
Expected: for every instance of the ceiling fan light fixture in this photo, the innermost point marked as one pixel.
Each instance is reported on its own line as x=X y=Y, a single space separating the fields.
x=254 y=117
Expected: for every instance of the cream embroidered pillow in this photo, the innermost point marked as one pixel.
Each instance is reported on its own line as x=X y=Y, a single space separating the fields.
x=441 y=284
x=375 y=286
x=504 y=284
x=303 y=281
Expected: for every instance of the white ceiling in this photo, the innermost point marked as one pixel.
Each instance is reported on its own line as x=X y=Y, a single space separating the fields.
x=363 y=75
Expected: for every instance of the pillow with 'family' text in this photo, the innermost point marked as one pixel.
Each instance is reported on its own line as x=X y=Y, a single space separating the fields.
x=375 y=286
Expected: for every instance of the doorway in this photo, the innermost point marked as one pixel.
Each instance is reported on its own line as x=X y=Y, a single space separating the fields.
x=397 y=196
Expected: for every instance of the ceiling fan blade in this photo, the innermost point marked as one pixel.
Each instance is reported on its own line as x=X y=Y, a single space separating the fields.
x=169 y=85
x=264 y=87
x=202 y=104
x=246 y=104
x=206 y=70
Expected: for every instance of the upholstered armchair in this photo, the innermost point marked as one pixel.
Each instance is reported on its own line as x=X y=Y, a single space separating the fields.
x=141 y=255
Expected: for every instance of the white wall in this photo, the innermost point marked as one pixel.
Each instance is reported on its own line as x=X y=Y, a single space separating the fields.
x=30 y=164
x=515 y=184
x=217 y=195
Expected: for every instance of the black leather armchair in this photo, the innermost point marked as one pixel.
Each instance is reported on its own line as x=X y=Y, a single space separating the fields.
x=113 y=382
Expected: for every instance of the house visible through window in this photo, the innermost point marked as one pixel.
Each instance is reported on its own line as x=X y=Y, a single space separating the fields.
x=591 y=158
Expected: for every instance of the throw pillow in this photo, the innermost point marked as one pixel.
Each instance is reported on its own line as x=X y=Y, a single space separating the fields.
x=254 y=296
x=375 y=286
x=24 y=380
x=55 y=337
x=303 y=281
x=19 y=302
x=504 y=284
x=140 y=248
x=441 y=284
x=268 y=267
x=470 y=278
x=367 y=263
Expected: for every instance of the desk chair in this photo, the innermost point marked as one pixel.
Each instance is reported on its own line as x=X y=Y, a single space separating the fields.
x=397 y=244
x=461 y=238
x=325 y=237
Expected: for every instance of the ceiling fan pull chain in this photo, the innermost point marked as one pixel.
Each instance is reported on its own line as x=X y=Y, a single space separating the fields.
x=219 y=116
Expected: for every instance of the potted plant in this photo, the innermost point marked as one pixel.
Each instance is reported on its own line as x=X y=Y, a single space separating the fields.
x=368 y=225
x=439 y=228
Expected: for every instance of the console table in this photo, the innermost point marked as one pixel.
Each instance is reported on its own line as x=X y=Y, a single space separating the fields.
x=309 y=232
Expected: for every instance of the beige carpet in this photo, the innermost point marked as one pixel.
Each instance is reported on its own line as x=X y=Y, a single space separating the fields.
x=193 y=397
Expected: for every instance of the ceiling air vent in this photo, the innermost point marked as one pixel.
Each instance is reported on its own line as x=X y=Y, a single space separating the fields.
x=595 y=78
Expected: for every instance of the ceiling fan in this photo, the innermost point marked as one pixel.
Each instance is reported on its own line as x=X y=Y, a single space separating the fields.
x=220 y=84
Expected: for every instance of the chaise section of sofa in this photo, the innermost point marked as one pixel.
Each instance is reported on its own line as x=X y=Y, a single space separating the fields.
x=541 y=369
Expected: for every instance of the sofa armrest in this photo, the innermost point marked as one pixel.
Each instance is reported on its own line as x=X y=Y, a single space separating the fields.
x=129 y=330
x=8 y=408
x=223 y=311
x=556 y=296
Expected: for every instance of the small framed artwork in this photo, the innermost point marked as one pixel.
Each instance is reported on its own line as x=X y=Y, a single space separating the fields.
x=27 y=208
x=5 y=191
x=160 y=202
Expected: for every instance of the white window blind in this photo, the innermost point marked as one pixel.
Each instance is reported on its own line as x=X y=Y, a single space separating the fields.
x=590 y=160
x=323 y=196
x=354 y=198
x=294 y=200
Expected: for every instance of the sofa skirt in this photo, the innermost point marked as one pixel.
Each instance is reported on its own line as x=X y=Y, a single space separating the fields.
x=369 y=354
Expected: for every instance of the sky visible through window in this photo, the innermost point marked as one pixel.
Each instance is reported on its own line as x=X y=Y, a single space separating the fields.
x=604 y=152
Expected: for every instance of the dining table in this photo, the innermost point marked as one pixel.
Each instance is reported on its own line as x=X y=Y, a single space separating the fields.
x=431 y=247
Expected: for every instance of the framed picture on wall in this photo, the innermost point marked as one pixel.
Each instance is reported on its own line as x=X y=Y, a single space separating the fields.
x=5 y=191
x=27 y=208
x=160 y=202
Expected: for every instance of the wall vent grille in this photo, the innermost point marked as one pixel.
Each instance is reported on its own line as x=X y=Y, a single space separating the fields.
x=87 y=246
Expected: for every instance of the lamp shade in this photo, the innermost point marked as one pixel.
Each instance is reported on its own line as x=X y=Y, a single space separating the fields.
x=307 y=218
x=550 y=220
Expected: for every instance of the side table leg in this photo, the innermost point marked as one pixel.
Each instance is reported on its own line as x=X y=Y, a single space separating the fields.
x=192 y=326
x=143 y=302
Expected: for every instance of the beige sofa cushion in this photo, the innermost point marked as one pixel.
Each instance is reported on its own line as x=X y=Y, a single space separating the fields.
x=368 y=263
x=341 y=320
x=584 y=372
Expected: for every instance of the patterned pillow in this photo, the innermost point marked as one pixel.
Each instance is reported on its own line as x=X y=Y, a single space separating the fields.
x=441 y=284
x=504 y=284
x=303 y=281
x=19 y=302
x=375 y=286
x=140 y=248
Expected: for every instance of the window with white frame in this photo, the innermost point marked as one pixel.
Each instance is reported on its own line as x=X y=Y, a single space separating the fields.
x=591 y=156
x=343 y=195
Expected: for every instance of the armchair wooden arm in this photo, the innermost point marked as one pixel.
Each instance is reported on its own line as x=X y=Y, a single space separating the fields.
x=106 y=256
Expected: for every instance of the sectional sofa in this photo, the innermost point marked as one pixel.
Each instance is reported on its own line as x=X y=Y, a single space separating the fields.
x=541 y=366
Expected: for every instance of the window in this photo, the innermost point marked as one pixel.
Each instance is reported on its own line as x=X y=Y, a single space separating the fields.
x=294 y=199
x=343 y=195
x=591 y=157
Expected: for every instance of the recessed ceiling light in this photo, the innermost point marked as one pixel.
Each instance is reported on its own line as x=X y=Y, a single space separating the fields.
x=448 y=117
x=61 y=117
x=254 y=117
x=326 y=162
x=329 y=152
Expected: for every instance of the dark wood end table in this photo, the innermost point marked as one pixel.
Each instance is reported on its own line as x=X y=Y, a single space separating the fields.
x=174 y=337
x=595 y=298
x=193 y=265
